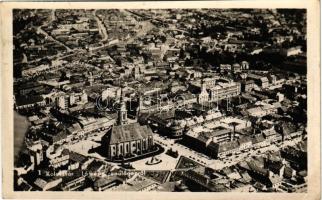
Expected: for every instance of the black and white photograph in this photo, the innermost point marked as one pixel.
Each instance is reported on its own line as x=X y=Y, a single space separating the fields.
x=160 y=100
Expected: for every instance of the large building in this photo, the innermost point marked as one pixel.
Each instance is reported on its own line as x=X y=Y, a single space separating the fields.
x=224 y=91
x=213 y=90
x=174 y=124
x=65 y=100
x=29 y=101
x=219 y=142
x=127 y=140
x=261 y=81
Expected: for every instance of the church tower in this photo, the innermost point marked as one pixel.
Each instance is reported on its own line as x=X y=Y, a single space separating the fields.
x=122 y=114
x=140 y=105
x=203 y=96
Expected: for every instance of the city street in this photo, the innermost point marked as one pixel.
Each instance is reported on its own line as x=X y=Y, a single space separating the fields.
x=84 y=145
x=168 y=163
x=101 y=27
x=182 y=150
x=218 y=164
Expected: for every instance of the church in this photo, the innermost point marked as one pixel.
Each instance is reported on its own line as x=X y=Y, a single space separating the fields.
x=127 y=140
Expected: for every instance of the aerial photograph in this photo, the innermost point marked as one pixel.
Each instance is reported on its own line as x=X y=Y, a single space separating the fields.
x=166 y=100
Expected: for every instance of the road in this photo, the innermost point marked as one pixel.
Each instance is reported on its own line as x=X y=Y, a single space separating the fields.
x=168 y=163
x=57 y=56
x=218 y=164
x=182 y=150
x=146 y=27
x=101 y=26
x=41 y=31
x=82 y=146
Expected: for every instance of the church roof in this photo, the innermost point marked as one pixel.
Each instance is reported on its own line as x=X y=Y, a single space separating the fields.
x=129 y=132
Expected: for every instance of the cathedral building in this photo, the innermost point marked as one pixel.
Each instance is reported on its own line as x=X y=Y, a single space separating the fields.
x=126 y=140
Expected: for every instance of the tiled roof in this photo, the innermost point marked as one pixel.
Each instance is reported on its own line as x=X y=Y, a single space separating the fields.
x=288 y=172
x=76 y=157
x=246 y=177
x=60 y=136
x=101 y=182
x=258 y=169
x=95 y=165
x=228 y=146
x=227 y=170
x=204 y=136
x=129 y=132
x=165 y=115
x=25 y=100
x=40 y=183
x=220 y=131
x=244 y=165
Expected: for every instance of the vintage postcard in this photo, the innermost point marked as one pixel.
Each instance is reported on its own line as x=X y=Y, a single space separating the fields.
x=141 y=100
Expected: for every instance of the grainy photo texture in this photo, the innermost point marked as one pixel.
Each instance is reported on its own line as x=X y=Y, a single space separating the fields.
x=173 y=100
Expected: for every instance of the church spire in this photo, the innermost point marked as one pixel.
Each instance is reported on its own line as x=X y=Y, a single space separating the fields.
x=140 y=100
x=122 y=113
